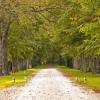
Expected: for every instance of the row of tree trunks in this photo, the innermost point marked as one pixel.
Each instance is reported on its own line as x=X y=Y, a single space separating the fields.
x=16 y=64
x=87 y=64
x=20 y=64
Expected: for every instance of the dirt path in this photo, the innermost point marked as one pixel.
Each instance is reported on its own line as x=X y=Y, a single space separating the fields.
x=48 y=84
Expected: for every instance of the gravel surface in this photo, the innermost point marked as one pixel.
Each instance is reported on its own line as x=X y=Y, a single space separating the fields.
x=48 y=84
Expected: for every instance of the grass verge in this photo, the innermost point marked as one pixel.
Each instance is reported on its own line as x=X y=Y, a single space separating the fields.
x=88 y=79
x=20 y=78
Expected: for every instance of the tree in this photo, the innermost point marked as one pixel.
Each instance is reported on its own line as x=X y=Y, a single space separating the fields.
x=7 y=15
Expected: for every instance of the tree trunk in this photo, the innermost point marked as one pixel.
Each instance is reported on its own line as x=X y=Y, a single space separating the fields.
x=4 y=29
x=0 y=55
x=4 y=52
x=22 y=65
x=27 y=64
x=14 y=65
x=98 y=64
x=75 y=63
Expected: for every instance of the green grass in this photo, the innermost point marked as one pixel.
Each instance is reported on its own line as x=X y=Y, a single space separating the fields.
x=20 y=78
x=92 y=80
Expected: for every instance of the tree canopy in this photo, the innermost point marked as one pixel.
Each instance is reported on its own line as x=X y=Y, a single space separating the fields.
x=48 y=31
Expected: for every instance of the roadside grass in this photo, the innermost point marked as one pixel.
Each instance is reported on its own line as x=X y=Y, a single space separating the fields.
x=20 y=78
x=88 y=79
x=92 y=80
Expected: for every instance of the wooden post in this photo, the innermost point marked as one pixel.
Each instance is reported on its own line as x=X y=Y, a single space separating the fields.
x=25 y=78
x=77 y=78
x=85 y=79
x=14 y=80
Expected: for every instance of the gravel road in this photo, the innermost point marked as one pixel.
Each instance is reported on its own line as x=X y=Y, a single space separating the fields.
x=48 y=84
